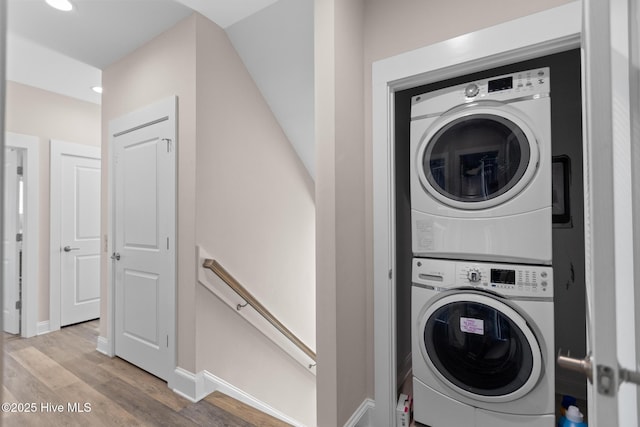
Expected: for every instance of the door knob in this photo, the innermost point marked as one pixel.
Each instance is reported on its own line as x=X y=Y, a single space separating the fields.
x=115 y=256
x=579 y=365
x=69 y=249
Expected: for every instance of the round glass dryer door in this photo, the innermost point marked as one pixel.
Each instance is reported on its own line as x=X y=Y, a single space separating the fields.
x=480 y=347
x=477 y=156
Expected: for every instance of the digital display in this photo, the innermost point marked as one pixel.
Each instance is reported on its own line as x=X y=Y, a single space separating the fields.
x=506 y=277
x=500 y=84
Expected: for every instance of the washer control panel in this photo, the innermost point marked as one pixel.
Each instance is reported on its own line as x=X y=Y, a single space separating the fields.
x=506 y=279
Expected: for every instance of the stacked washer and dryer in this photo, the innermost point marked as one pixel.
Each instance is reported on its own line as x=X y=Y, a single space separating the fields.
x=482 y=284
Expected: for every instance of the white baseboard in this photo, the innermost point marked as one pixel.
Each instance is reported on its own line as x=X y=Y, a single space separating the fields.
x=218 y=384
x=103 y=346
x=363 y=417
x=189 y=385
x=43 y=327
x=195 y=387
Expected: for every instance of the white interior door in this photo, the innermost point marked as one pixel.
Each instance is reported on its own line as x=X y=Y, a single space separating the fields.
x=609 y=212
x=144 y=241
x=10 y=281
x=74 y=265
x=80 y=239
x=29 y=148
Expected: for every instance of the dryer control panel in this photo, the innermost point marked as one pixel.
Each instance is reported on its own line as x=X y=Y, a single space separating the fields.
x=535 y=83
x=517 y=280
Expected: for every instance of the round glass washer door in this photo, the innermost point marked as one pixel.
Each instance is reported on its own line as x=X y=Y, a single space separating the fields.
x=480 y=347
x=477 y=156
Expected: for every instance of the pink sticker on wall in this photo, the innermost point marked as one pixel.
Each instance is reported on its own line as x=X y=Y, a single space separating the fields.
x=472 y=326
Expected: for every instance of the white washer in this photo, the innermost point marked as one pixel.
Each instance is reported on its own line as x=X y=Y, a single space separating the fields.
x=482 y=344
x=481 y=170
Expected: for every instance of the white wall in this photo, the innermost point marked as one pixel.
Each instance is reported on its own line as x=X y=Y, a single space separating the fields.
x=163 y=67
x=343 y=328
x=255 y=207
x=243 y=195
x=255 y=214
x=389 y=28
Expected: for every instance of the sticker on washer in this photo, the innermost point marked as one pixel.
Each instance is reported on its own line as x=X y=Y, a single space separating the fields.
x=472 y=326
x=424 y=234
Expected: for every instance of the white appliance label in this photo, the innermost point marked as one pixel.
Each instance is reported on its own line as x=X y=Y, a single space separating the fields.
x=472 y=326
x=424 y=234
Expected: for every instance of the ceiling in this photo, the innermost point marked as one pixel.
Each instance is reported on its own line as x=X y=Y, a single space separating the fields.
x=45 y=46
x=99 y=32
x=65 y=52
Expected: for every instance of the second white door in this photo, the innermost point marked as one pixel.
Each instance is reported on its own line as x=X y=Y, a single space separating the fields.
x=79 y=221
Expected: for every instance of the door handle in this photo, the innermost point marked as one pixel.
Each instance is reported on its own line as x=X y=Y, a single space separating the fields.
x=606 y=376
x=69 y=249
x=578 y=365
x=115 y=256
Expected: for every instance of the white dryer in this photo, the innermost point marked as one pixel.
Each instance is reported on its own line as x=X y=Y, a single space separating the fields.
x=482 y=344
x=481 y=170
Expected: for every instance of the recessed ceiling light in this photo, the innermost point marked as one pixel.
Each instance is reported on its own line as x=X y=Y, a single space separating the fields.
x=64 y=5
x=97 y=89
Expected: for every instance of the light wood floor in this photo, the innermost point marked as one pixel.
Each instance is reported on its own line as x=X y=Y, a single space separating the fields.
x=64 y=368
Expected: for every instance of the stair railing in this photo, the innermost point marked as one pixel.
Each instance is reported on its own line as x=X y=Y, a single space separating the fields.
x=223 y=274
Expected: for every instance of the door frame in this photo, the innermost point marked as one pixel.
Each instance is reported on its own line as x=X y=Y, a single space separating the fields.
x=30 y=145
x=634 y=109
x=486 y=48
x=58 y=149
x=148 y=115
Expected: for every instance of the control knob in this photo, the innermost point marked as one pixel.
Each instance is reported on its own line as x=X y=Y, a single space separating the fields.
x=471 y=90
x=474 y=275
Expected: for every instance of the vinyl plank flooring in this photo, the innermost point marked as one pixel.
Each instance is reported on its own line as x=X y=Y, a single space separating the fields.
x=64 y=368
x=147 y=383
x=56 y=345
x=27 y=389
x=85 y=330
x=22 y=384
x=88 y=369
x=204 y=413
x=246 y=412
x=98 y=409
x=7 y=396
x=139 y=404
x=44 y=368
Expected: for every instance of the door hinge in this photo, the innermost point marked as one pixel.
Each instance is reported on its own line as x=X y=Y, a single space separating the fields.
x=18 y=305
x=167 y=243
x=19 y=237
x=168 y=144
x=390 y=274
x=20 y=170
x=167 y=341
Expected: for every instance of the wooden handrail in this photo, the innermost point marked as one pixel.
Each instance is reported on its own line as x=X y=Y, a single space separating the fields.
x=214 y=266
